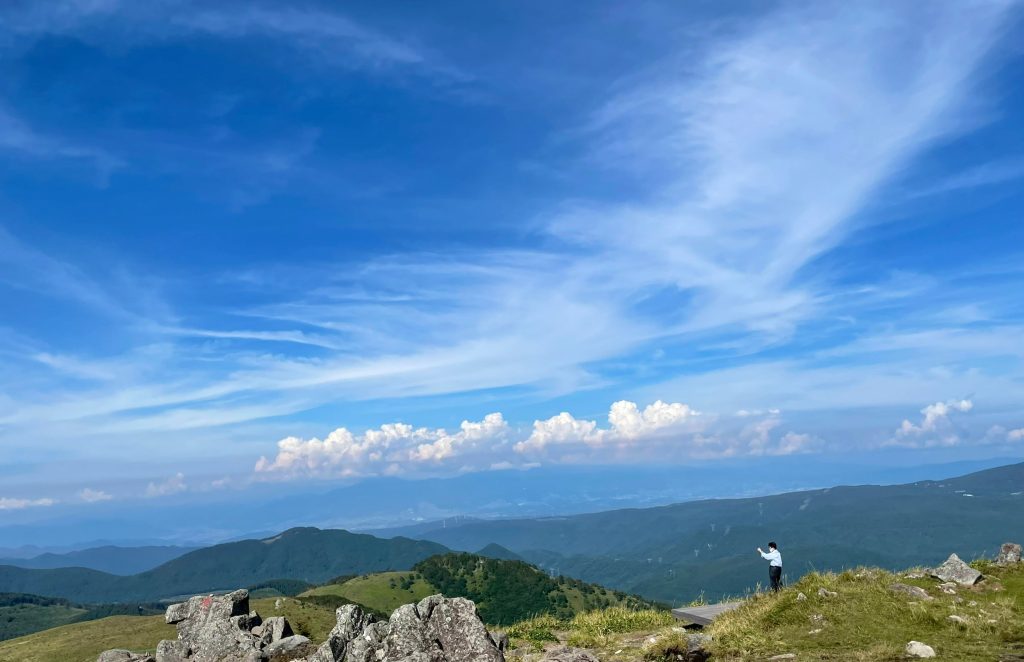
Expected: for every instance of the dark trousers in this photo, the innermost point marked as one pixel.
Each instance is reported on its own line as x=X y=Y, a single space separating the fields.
x=775 y=575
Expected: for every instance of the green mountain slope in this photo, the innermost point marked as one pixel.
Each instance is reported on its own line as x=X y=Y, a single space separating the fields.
x=505 y=591
x=307 y=554
x=678 y=552
x=22 y=614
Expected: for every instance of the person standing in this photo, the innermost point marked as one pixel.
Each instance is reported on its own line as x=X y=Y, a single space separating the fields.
x=774 y=558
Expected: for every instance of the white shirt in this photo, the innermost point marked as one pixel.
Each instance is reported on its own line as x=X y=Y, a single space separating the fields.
x=774 y=556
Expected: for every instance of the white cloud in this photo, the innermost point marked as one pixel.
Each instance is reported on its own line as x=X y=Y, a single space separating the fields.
x=172 y=485
x=90 y=495
x=935 y=428
x=20 y=504
x=627 y=424
x=393 y=448
x=1015 y=435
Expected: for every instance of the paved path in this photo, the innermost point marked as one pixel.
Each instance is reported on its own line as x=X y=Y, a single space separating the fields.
x=703 y=615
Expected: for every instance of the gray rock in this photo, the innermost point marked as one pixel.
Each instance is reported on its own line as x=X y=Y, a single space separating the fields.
x=1009 y=554
x=960 y=620
x=288 y=648
x=437 y=629
x=500 y=640
x=122 y=655
x=172 y=650
x=917 y=649
x=915 y=592
x=273 y=629
x=456 y=625
x=783 y=656
x=351 y=624
x=955 y=570
x=800 y=597
x=825 y=593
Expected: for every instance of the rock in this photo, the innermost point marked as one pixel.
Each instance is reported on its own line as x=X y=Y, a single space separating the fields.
x=454 y=623
x=172 y=650
x=915 y=575
x=274 y=629
x=800 y=597
x=437 y=629
x=288 y=648
x=917 y=649
x=815 y=631
x=915 y=592
x=122 y=655
x=783 y=656
x=500 y=640
x=817 y=618
x=566 y=654
x=957 y=619
x=955 y=570
x=1009 y=554
x=825 y=593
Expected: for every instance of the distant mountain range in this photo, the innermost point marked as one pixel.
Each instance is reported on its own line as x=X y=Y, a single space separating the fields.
x=390 y=501
x=669 y=553
x=109 y=558
x=308 y=554
x=675 y=553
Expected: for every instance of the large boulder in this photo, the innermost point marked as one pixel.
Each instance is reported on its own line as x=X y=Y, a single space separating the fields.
x=954 y=569
x=917 y=649
x=291 y=647
x=220 y=628
x=1009 y=554
x=436 y=629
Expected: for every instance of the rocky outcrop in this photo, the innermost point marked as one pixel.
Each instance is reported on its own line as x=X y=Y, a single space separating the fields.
x=1009 y=554
x=222 y=629
x=954 y=569
x=436 y=629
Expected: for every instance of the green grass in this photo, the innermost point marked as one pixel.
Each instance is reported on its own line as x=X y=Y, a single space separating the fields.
x=593 y=629
x=867 y=621
x=383 y=592
x=83 y=642
x=22 y=619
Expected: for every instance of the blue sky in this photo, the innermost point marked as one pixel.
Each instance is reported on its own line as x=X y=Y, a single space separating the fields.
x=261 y=243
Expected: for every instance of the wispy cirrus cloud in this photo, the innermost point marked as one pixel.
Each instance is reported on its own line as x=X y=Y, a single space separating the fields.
x=738 y=192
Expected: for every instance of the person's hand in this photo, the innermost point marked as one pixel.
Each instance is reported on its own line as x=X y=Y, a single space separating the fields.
x=759 y=551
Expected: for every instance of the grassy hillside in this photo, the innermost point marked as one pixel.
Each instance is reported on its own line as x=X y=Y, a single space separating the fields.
x=383 y=592
x=866 y=620
x=504 y=591
x=306 y=554
x=676 y=553
x=22 y=614
x=508 y=591
x=83 y=642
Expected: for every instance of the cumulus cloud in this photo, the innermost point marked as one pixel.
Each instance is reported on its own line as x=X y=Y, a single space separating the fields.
x=661 y=431
x=172 y=485
x=1015 y=435
x=90 y=495
x=627 y=424
x=21 y=504
x=393 y=448
x=936 y=427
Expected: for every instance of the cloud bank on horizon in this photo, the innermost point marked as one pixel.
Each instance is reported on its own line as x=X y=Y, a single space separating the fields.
x=225 y=226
